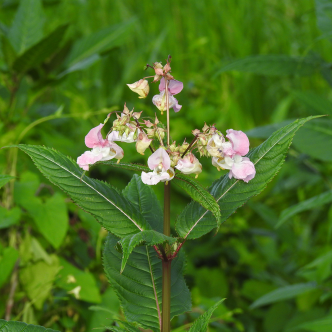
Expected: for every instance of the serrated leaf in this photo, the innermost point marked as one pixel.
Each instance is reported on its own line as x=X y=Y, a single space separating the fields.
x=128 y=166
x=143 y=197
x=274 y=65
x=35 y=55
x=4 y=179
x=315 y=139
x=97 y=42
x=148 y=238
x=308 y=204
x=27 y=28
x=12 y=326
x=230 y=194
x=198 y=194
x=283 y=293
x=128 y=327
x=104 y=202
x=139 y=287
x=201 y=323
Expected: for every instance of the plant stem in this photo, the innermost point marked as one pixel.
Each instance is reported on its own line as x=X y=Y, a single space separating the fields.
x=167 y=108
x=166 y=266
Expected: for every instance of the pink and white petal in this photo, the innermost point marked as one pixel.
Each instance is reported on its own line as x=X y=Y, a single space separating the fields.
x=245 y=170
x=114 y=136
x=227 y=149
x=157 y=157
x=118 y=151
x=149 y=178
x=239 y=140
x=175 y=87
x=177 y=107
x=94 y=137
x=88 y=158
x=162 y=86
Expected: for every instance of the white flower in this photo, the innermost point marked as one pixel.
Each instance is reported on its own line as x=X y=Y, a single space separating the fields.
x=189 y=165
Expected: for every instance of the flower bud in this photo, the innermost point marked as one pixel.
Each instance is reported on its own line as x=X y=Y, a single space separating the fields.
x=137 y=115
x=142 y=143
x=167 y=68
x=184 y=147
x=141 y=87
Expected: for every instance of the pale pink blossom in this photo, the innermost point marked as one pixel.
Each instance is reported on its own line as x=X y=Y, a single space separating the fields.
x=189 y=165
x=174 y=87
x=160 y=164
x=102 y=149
x=241 y=168
x=239 y=140
x=215 y=145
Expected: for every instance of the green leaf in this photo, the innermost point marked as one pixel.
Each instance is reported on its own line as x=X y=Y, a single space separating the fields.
x=50 y=217
x=35 y=55
x=98 y=42
x=198 y=194
x=9 y=217
x=230 y=194
x=104 y=202
x=274 y=65
x=8 y=51
x=81 y=284
x=7 y=263
x=317 y=103
x=315 y=139
x=324 y=16
x=20 y=327
x=308 y=204
x=127 y=166
x=265 y=132
x=139 y=286
x=4 y=179
x=145 y=200
x=27 y=28
x=283 y=293
x=37 y=280
x=149 y=238
x=319 y=325
x=201 y=323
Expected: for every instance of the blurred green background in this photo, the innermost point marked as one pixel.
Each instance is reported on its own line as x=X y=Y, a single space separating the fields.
x=246 y=65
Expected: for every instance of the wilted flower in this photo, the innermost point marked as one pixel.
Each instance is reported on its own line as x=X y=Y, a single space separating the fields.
x=141 y=87
x=189 y=164
x=143 y=142
x=174 y=88
x=160 y=163
x=102 y=149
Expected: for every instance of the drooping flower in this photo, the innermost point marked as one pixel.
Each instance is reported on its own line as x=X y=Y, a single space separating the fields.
x=189 y=164
x=174 y=87
x=241 y=168
x=141 y=87
x=143 y=142
x=102 y=149
x=160 y=164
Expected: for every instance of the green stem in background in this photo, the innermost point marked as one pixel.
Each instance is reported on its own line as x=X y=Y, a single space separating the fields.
x=166 y=266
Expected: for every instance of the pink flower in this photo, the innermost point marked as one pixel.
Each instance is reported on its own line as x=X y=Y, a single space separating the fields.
x=239 y=140
x=189 y=165
x=102 y=149
x=241 y=168
x=174 y=88
x=160 y=163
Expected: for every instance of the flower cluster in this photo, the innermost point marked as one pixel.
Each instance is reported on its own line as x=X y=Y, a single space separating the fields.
x=167 y=158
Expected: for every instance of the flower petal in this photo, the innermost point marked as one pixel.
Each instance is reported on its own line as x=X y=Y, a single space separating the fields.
x=88 y=158
x=239 y=140
x=175 y=87
x=159 y=156
x=245 y=170
x=94 y=137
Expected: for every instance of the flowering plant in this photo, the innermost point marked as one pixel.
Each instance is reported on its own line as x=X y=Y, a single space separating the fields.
x=143 y=259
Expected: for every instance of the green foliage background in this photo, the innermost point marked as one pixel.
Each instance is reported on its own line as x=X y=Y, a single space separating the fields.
x=54 y=90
